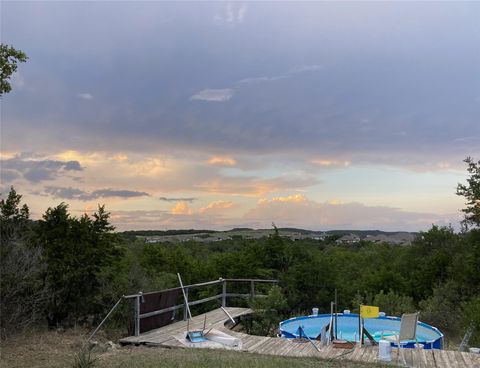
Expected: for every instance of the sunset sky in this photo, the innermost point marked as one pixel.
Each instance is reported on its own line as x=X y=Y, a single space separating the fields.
x=330 y=115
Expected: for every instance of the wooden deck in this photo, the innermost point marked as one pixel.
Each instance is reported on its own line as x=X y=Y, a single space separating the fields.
x=167 y=337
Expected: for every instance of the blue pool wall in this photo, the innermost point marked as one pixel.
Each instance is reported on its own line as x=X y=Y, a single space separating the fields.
x=434 y=344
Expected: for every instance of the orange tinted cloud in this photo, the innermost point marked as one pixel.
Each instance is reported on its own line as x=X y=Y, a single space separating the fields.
x=216 y=206
x=291 y=198
x=82 y=157
x=299 y=211
x=120 y=157
x=7 y=155
x=181 y=208
x=222 y=161
x=331 y=163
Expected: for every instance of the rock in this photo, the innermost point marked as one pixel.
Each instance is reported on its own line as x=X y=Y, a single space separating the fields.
x=110 y=345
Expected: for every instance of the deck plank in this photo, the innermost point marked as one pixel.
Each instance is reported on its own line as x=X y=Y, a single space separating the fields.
x=441 y=359
x=166 y=336
x=459 y=358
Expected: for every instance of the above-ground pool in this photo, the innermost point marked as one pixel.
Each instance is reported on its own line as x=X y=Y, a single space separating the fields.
x=347 y=328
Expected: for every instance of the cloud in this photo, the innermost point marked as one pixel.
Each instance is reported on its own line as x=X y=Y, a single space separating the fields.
x=35 y=169
x=331 y=163
x=157 y=219
x=8 y=176
x=260 y=79
x=294 y=70
x=181 y=208
x=225 y=94
x=287 y=211
x=78 y=194
x=242 y=11
x=180 y=199
x=118 y=193
x=291 y=198
x=231 y=15
x=254 y=186
x=67 y=193
x=85 y=96
x=306 y=68
x=213 y=95
x=318 y=113
x=217 y=207
x=298 y=211
x=222 y=161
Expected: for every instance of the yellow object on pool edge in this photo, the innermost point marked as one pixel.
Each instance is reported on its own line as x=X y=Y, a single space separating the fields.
x=368 y=311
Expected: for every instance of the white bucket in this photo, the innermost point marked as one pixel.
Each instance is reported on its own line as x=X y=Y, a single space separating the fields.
x=314 y=311
x=384 y=351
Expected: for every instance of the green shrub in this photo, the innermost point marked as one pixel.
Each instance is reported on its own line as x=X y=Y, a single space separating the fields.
x=471 y=317
x=268 y=312
x=442 y=308
x=393 y=304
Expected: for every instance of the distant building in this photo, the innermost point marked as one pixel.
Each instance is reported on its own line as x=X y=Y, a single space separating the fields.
x=348 y=239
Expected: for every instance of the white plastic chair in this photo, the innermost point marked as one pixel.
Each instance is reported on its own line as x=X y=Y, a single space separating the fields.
x=408 y=332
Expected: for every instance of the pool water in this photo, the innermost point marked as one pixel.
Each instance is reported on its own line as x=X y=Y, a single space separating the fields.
x=347 y=328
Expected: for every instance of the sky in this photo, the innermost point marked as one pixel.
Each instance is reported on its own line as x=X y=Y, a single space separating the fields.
x=318 y=115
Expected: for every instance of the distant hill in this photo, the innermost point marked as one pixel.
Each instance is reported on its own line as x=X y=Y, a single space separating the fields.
x=364 y=233
x=165 y=232
x=348 y=236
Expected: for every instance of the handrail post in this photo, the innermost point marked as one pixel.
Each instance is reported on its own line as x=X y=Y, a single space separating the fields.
x=224 y=293
x=185 y=305
x=137 y=315
x=252 y=289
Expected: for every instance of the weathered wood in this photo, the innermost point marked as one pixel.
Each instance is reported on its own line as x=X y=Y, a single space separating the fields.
x=440 y=360
x=459 y=359
x=224 y=293
x=166 y=336
x=430 y=358
x=137 y=315
x=450 y=354
x=408 y=353
x=186 y=304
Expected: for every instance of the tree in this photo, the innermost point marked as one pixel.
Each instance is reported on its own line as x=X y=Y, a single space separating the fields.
x=267 y=312
x=75 y=251
x=471 y=192
x=9 y=57
x=22 y=293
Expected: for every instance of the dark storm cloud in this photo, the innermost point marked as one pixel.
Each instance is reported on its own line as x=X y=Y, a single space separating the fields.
x=34 y=169
x=74 y=193
x=336 y=79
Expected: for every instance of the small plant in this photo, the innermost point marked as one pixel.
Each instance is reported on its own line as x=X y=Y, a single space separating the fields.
x=85 y=358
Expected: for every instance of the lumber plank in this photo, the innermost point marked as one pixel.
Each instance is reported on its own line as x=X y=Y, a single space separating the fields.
x=430 y=360
x=460 y=360
x=441 y=359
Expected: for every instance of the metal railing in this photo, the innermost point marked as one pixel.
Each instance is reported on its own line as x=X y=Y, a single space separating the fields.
x=223 y=296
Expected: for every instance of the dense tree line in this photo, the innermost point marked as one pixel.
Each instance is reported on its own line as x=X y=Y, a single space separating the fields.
x=66 y=270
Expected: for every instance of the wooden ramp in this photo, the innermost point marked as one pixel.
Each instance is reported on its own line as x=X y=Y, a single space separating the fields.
x=165 y=337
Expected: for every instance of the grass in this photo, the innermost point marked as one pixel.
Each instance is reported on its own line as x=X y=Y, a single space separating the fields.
x=39 y=349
